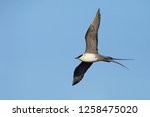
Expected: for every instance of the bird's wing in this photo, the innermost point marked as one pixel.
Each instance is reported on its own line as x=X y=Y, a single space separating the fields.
x=91 y=36
x=80 y=71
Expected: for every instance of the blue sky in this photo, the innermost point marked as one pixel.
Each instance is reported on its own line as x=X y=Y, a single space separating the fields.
x=39 y=40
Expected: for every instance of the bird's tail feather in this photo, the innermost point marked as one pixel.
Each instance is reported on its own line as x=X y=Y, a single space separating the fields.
x=121 y=59
x=119 y=64
x=113 y=60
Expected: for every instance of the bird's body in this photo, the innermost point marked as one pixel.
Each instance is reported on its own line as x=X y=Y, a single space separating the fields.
x=91 y=53
x=92 y=57
x=89 y=57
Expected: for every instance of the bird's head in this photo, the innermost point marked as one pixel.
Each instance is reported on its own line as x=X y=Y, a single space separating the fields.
x=79 y=57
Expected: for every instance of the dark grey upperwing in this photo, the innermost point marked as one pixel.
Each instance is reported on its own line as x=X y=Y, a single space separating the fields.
x=80 y=71
x=91 y=36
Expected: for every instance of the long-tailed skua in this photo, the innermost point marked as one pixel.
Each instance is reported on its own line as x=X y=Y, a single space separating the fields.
x=91 y=53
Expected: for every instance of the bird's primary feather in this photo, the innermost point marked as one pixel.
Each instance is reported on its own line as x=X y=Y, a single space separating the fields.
x=91 y=36
x=80 y=71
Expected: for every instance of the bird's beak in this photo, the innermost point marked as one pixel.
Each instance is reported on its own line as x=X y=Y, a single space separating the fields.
x=78 y=57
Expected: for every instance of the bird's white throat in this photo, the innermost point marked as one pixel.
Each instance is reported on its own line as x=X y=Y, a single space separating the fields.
x=88 y=57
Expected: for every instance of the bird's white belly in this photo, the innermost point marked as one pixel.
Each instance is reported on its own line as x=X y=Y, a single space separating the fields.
x=88 y=57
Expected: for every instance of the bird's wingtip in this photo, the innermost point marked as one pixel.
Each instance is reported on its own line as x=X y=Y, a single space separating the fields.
x=77 y=79
x=74 y=83
x=98 y=10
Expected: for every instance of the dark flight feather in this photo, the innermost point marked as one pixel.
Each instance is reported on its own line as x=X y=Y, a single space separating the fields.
x=80 y=71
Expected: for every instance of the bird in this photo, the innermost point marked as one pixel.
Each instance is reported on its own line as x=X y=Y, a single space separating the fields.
x=91 y=53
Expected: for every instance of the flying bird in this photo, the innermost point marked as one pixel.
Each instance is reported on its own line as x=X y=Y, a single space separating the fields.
x=91 y=54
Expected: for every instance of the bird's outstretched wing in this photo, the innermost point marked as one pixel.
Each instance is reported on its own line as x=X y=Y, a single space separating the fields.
x=80 y=71
x=91 y=36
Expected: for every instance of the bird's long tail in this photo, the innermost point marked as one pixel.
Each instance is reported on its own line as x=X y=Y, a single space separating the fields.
x=113 y=60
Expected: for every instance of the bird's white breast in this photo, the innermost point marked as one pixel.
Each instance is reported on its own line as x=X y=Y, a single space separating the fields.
x=88 y=57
